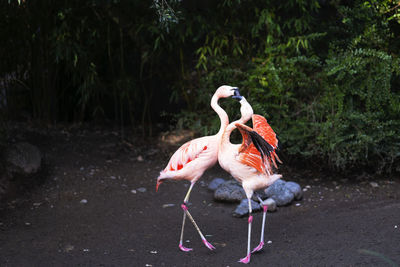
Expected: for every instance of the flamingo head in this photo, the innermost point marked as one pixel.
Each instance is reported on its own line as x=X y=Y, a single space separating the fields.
x=236 y=94
x=225 y=91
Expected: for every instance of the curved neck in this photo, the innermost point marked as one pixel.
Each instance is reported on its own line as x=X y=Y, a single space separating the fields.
x=221 y=113
x=228 y=130
x=246 y=111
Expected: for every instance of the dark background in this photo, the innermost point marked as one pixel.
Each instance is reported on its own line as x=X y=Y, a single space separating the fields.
x=324 y=73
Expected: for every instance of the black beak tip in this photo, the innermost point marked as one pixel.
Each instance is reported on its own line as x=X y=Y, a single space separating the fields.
x=236 y=94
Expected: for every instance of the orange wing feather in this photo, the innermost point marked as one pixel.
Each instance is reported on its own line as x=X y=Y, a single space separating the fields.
x=249 y=154
x=262 y=127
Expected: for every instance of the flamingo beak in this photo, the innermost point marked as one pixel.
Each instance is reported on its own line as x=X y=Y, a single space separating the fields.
x=158 y=184
x=236 y=94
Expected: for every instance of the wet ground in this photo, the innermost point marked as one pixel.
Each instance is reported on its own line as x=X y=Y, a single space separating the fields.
x=97 y=206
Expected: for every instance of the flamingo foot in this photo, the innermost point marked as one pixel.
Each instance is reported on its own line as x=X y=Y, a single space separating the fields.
x=259 y=247
x=208 y=245
x=184 y=248
x=246 y=259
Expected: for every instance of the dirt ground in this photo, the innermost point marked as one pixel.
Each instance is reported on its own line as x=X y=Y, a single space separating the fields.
x=91 y=210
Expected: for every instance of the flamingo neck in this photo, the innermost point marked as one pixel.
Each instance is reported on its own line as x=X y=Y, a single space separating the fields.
x=227 y=134
x=246 y=111
x=221 y=113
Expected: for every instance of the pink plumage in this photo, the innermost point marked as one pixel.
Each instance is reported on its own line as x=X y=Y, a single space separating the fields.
x=196 y=156
x=250 y=162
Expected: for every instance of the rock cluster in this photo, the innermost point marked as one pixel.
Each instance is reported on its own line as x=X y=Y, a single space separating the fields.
x=280 y=193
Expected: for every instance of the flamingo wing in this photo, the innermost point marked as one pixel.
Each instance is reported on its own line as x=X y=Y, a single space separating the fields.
x=261 y=126
x=254 y=149
x=186 y=153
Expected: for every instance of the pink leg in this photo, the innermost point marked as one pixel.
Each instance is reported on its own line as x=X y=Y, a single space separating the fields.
x=247 y=258
x=206 y=243
x=180 y=241
x=261 y=245
x=181 y=247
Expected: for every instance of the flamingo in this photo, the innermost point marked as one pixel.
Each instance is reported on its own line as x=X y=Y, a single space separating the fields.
x=196 y=156
x=250 y=162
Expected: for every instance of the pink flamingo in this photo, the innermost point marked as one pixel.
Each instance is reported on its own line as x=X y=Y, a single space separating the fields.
x=196 y=156
x=250 y=162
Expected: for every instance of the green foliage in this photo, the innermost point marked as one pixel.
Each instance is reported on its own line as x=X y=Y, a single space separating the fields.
x=326 y=74
x=338 y=101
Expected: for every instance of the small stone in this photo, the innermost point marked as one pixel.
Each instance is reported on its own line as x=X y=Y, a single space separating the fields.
x=395 y=227
x=142 y=189
x=269 y=242
x=270 y=202
x=86 y=250
x=69 y=248
x=243 y=208
x=215 y=183
x=133 y=191
x=140 y=158
x=168 y=205
x=83 y=201
x=374 y=184
x=298 y=204
x=153 y=252
x=113 y=177
x=27 y=223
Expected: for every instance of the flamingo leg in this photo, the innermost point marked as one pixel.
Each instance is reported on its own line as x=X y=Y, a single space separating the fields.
x=187 y=213
x=247 y=258
x=265 y=208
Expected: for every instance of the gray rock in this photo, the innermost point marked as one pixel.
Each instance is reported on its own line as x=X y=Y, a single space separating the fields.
x=285 y=198
x=215 y=183
x=295 y=189
x=276 y=187
x=19 y=164
x=280 y=193
x=23 y=158
x=4 y=183
x=230 y=191
x=243 y=208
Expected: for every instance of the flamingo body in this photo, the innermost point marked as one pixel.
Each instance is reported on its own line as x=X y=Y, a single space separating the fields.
x=191 y=160
x=196 y=156
x=250 y=162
